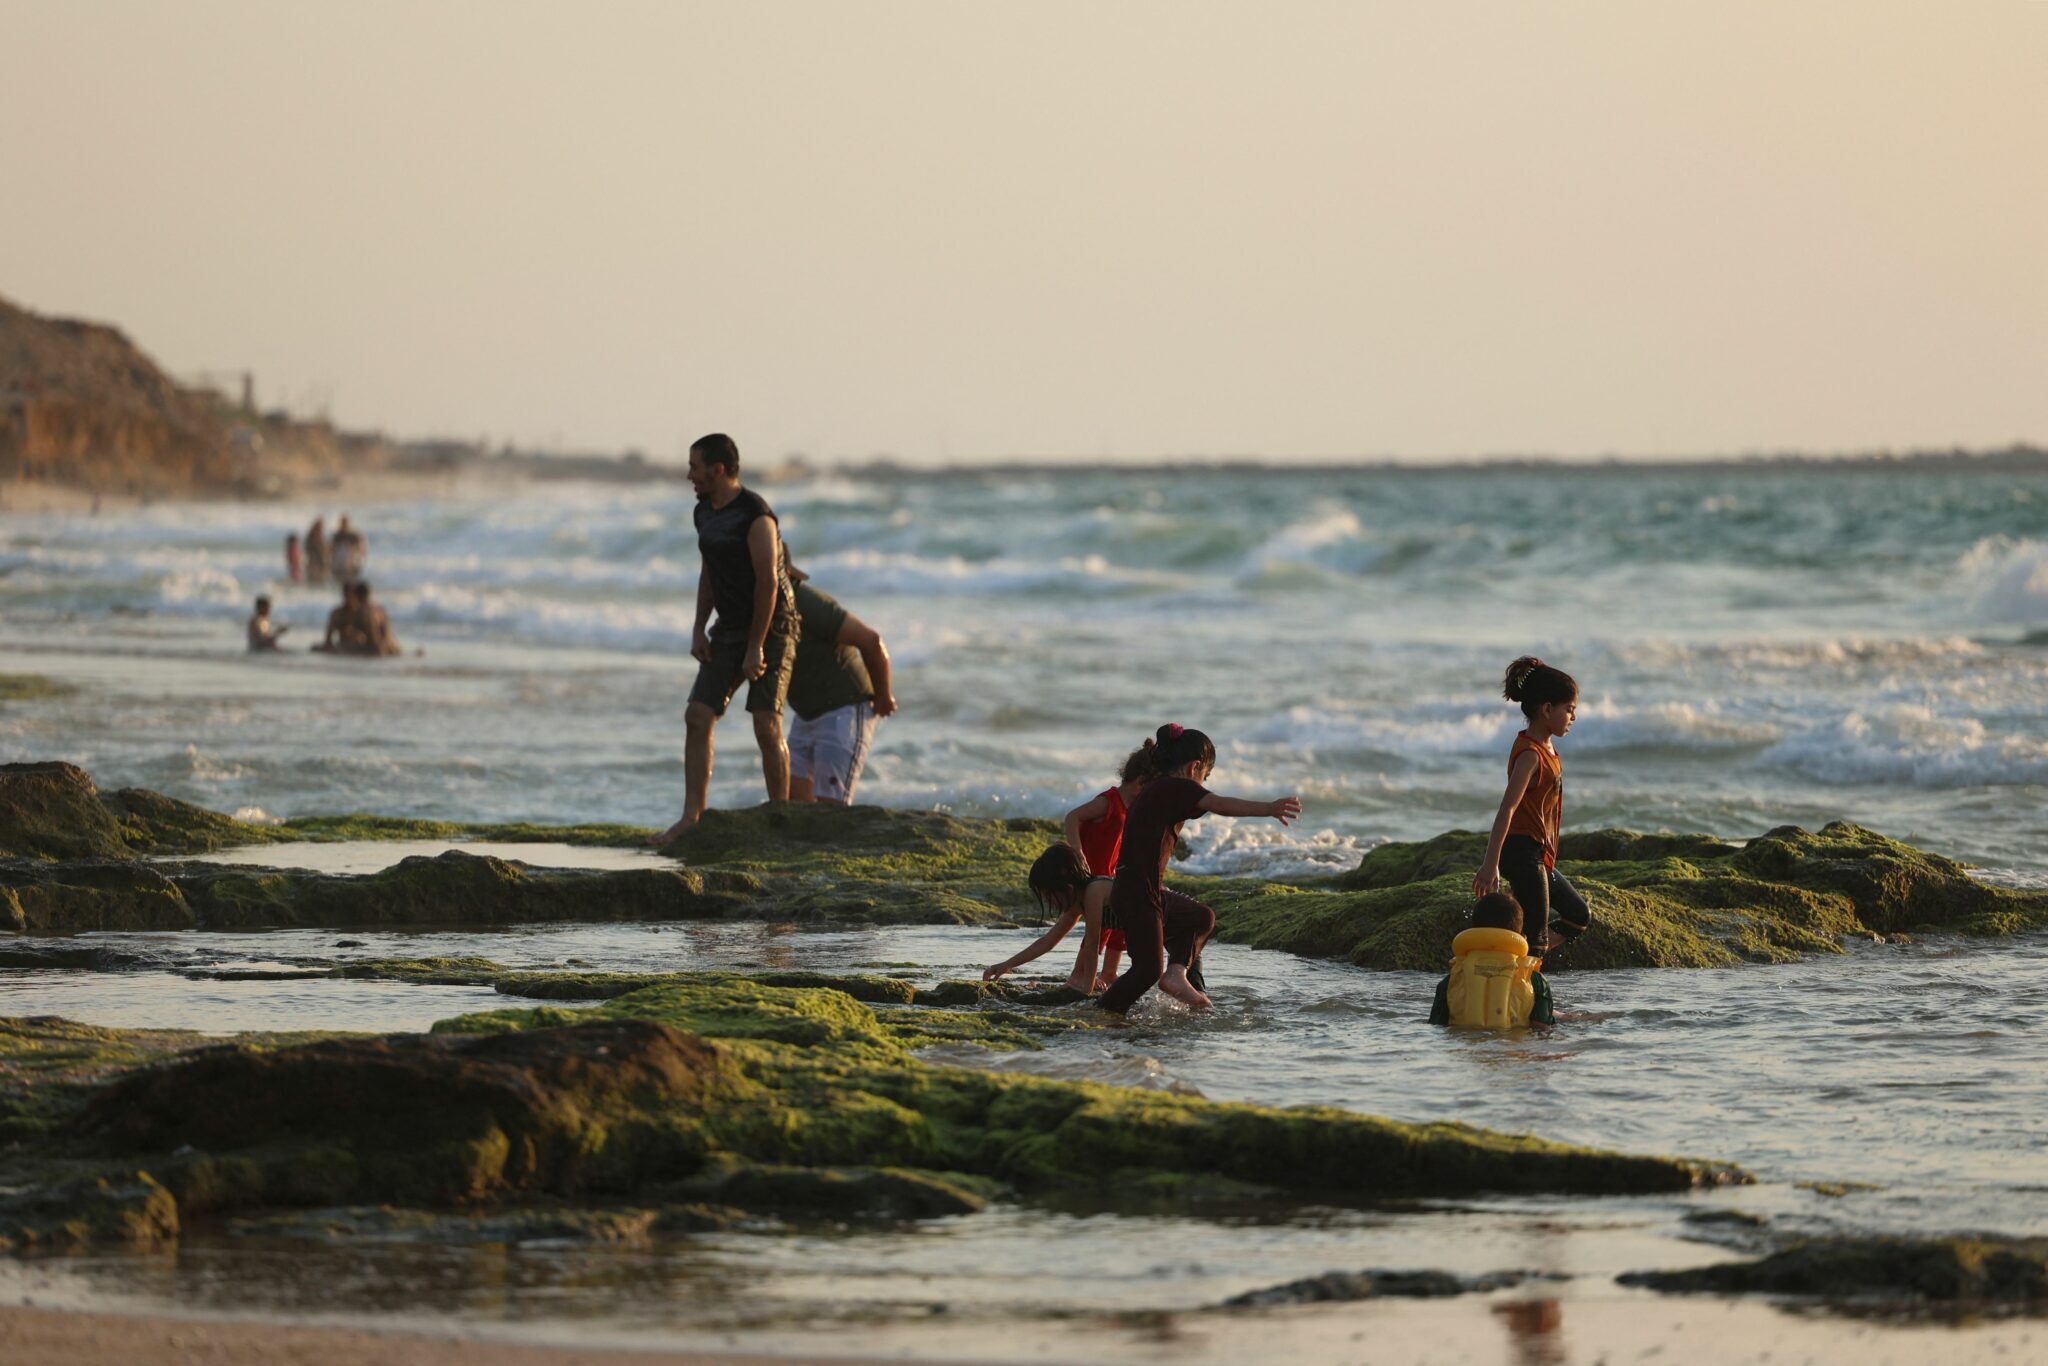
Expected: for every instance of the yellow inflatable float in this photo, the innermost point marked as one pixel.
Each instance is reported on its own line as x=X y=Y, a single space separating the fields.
x=1493 y=982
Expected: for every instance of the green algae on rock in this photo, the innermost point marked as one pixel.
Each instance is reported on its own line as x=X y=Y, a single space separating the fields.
x=1659 y=900
x=708 y=1092
x=1918 y=1270
x=872 y=864
x=837 y=1086
x=53 y=811
x=339 y=829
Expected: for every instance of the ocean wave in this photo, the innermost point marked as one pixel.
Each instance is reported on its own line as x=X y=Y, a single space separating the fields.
x=2005 y=578
x=1603 y=724
x=1262 y=848
x=869 y=571
x=1911 y=744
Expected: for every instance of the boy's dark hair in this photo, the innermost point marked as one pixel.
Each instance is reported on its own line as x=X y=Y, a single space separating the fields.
x=1057 y=873
x=1497 y=911
x=1174 y=746
x=718 y=449
x=1535 y=684
x=291 y=538
x=263 y=604
x=360 y=590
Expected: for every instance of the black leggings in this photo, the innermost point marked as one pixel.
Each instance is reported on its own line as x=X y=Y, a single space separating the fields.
x=1542 y=892
x=1174 y=934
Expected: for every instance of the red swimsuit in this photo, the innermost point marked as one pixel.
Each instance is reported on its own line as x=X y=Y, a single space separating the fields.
x=1101 y=840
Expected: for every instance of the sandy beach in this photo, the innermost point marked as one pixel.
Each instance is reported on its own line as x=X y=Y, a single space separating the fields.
x=45 y=1337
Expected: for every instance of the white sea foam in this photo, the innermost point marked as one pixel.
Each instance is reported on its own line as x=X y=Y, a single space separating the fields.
x=1913 y=744
x=2006 y=579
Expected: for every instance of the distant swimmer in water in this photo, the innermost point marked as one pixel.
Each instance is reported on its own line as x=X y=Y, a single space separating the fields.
x=316 y=551
x=744 y=579
x=263 y=632
x=1493 y=982
x=1167 y=930
x=346 y=633
x=840 y=689
x=376 y=622
x=348 y=554
x=294 y=559
x=1067 y=892
x=1095 y=829
x=1523 y=847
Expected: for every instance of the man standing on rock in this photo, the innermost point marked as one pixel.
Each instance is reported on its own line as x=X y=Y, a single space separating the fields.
x=840 y=689
x=754 y=642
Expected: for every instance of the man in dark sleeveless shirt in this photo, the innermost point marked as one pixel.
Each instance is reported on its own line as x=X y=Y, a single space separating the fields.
x=754 y=640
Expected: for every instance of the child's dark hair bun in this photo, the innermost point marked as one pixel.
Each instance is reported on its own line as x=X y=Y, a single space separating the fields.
x=1517 y=679
x=1534 y=684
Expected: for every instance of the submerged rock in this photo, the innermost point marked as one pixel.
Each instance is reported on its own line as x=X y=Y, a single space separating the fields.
x=453 y=888
x=1931 y=1270
x=1339 y=1286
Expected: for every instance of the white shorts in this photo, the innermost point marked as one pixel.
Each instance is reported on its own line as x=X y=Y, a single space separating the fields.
x=831 y=750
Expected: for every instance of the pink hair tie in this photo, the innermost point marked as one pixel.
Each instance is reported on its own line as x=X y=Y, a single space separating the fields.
x=1173 y=732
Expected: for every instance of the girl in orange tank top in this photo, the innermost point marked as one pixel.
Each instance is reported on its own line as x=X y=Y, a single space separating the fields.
x=1523 y=846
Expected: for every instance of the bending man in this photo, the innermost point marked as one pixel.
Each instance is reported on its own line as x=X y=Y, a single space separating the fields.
x=754 y=641
x=839 y=689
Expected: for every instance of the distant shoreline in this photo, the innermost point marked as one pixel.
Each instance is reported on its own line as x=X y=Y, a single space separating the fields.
x=403 y=481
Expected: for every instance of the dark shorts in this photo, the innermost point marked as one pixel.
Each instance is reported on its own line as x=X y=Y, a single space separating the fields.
x=720 y=676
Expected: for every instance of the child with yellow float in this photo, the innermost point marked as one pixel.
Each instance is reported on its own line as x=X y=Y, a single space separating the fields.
x=1494 y=982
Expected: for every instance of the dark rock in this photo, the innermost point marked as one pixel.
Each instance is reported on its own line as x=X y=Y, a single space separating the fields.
x=1338 y=1286
x=1988 y=1270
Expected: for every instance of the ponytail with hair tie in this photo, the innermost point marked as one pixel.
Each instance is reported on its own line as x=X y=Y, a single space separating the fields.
x=1535 y=684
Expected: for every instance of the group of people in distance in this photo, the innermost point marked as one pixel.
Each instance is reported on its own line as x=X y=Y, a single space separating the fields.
x=356 y=626
x=317 y=559
x=1108 y=874
x=761 y=622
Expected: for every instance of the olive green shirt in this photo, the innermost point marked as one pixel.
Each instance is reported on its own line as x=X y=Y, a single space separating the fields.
x=828 y=675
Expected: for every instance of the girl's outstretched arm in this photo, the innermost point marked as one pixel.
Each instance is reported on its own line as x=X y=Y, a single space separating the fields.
x=1094 y=809
x=1038 y=948
x=1488 y=878
x=1285 y=810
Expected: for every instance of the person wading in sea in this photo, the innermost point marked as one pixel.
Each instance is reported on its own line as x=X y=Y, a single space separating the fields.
x=754 y=641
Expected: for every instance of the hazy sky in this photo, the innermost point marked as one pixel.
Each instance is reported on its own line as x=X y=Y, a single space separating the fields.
x=963 y=230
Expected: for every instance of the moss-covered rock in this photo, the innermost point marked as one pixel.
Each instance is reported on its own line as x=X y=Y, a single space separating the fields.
x=1930 y=1270
x=424 y=1119
x=53 y=811
x=132 y=1210
x=1658 y=900
x=725 y=1093
x=837 y=1087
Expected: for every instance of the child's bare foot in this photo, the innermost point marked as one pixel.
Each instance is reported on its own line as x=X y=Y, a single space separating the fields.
x=671 y=834
x=1082 y=985
x=1174 y=982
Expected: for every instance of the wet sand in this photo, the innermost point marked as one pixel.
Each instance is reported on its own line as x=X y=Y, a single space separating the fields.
x=44 y=1337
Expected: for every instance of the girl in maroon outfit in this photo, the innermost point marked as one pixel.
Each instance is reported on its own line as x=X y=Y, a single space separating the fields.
x=1165 y=930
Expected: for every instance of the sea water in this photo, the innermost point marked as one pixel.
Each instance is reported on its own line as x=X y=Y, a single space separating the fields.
x=1754 y=648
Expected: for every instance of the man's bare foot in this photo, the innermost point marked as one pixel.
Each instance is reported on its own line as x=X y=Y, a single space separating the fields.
x=673 y=833
x=1082 y=985
x=1174 y=982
